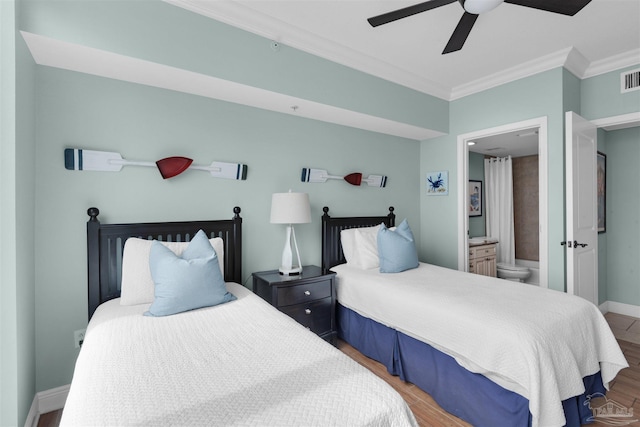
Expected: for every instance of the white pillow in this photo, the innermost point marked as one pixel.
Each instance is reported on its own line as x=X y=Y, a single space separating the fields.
x=137 y=285
x=348 y=241
x=360 y=246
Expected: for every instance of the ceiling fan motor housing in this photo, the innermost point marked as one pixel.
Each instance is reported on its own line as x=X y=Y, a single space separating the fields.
x=479 y=6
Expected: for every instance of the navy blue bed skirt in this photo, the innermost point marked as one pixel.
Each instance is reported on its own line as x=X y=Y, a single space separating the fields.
x=469 y=396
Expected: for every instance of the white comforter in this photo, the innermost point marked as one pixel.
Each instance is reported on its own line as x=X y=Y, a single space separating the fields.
x=240 y=363
x=536 y=342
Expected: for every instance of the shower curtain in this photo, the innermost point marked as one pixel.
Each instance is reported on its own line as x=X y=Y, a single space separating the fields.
x=499 y=201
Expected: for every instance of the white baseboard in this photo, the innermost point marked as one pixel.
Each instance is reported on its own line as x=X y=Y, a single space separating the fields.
x=620 y=308
x=46 y=401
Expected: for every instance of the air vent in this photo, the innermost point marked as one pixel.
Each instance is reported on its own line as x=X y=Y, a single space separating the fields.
x=630 y=81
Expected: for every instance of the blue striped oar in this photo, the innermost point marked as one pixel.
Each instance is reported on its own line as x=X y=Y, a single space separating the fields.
x=376 y=181
x=321 y=175
x=79 y=159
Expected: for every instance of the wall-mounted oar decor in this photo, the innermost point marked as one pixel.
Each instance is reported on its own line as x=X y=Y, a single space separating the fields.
x=79 y=159
x=355 y=178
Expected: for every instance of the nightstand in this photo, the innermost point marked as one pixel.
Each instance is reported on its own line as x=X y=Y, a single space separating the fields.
x=309 y=298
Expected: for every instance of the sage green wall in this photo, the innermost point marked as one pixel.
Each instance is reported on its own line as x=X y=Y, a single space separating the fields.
x=160 y=32
x=536 y=96
x=601 y=96
x=623 y=205
x=476 y=172
x=17 y=207
x=144 y=123
x=76 y=110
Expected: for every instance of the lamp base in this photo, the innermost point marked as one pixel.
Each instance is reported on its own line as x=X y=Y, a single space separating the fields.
x=293 y=271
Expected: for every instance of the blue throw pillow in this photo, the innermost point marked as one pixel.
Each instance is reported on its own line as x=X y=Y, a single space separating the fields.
x=397 y=249
x=186 y=282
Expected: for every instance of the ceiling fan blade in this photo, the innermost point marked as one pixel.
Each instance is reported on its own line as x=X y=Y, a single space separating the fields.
x=565 y=7
x=385 y=18
x=461 y=33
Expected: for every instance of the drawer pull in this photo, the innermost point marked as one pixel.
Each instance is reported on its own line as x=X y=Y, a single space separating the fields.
x=307 y=293
x=307 y=311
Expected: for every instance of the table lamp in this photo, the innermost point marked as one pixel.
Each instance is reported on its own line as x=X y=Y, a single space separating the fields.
x=290 y=208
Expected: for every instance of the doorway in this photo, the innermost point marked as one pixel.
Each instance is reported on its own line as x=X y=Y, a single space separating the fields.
x=527 y=129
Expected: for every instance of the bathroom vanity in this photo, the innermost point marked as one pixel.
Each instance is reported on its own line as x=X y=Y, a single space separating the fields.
x=482 y=257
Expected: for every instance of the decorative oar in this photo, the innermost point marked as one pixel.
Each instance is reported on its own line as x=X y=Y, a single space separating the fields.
x=376 y=181
x=79 y=159
x=321 y=175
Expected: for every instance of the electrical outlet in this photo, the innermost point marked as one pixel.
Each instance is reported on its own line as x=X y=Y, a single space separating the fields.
x=78 y=337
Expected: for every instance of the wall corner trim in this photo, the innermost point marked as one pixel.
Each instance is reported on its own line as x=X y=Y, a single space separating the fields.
x=46 y=401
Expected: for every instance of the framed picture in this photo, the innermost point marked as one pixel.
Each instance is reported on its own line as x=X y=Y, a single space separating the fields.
x=438 y=183
x=475 y=198
x=601 y=165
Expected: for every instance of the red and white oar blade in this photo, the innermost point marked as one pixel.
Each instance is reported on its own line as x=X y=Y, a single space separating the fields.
x=173 y=166
x=87 y=160
x=376 y=181
x=354 y=178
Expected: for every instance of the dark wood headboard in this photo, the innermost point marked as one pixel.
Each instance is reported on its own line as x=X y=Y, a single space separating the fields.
x=105 y=244
x=331 y=227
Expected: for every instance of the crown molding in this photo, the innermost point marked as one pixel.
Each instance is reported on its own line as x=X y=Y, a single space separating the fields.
x=245 y=18
x=576 y=63
x=613 y=63
x=545 y=63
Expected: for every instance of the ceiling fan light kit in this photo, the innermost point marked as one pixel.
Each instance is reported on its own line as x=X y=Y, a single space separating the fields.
x=472 y=9
x=480 y=6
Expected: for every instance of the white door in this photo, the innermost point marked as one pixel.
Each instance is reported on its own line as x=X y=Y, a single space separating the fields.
x=582 y=217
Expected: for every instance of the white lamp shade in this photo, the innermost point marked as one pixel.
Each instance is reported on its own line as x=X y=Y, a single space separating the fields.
x=290 y=208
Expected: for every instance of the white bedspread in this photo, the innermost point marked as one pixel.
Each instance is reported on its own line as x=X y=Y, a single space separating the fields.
x=536 y=342
x=240 y=363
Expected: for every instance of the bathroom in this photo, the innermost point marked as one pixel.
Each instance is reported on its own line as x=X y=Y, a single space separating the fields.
x=522 y=146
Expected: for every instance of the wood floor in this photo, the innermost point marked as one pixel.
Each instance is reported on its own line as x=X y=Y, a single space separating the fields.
x=624 y=389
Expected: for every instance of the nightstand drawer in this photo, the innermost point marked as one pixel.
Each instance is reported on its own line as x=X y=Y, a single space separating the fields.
x=315 y=315
x=289 y=295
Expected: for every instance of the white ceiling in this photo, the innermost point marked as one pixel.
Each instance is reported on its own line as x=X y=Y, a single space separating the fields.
x=515 y=144
x=506 y=43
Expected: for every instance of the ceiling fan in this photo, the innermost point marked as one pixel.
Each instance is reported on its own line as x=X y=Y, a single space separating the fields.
x=473 y=8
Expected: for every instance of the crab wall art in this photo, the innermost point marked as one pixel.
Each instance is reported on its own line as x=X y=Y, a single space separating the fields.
x=438 y=183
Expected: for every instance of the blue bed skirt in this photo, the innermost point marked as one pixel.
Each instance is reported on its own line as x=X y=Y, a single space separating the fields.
x=469 y=396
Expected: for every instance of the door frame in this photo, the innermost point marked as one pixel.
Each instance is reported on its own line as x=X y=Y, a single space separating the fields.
x=463 y=176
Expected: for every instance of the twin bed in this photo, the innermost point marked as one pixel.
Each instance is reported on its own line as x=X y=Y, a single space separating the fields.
x=494 y=353
x=241 y=362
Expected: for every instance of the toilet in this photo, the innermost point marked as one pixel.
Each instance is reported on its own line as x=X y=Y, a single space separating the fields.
x=513 y=272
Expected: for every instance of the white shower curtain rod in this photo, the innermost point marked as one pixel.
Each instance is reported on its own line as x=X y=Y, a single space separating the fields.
x=498 y=159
